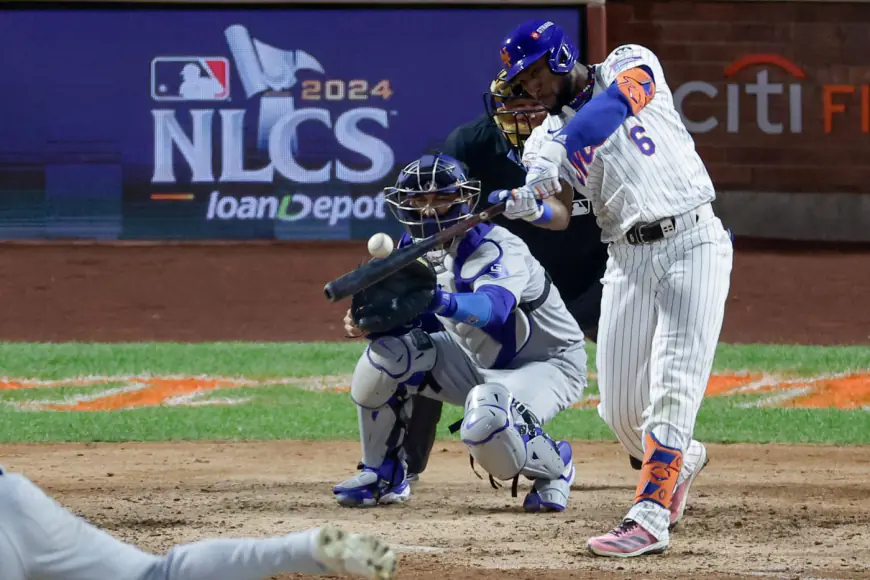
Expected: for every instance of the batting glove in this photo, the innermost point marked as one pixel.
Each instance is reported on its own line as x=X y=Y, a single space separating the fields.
x=543 y=175
x=522 y=203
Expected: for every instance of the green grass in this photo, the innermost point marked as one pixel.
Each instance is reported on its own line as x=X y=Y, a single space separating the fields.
x=248 y=359
x=294 y=359
x=801 y=360
x=284 y=412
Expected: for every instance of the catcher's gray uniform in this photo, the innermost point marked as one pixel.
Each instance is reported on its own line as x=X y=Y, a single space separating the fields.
x=540 y=357
x=510 y=379
x=41 y=540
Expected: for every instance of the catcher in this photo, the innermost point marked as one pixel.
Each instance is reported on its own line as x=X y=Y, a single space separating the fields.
x=476 y=323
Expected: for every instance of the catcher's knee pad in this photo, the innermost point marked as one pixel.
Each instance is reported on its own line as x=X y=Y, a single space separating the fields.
x=388 y=362
x=502 y=441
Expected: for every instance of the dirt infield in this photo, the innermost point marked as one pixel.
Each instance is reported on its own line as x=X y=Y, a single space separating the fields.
x=771 y=512
x=271 y=292
x=758 y=511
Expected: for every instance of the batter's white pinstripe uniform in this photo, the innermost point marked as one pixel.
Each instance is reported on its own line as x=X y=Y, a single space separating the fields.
x=663 y=301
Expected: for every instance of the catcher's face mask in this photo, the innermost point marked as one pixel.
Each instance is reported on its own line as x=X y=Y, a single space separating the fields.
x=515 y=112
x=431 y=194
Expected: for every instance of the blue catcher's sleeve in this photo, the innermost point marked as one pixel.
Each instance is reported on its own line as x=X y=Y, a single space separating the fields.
x=598 y=119
x=488 y=307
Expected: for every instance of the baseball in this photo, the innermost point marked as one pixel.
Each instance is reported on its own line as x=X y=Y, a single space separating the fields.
x=380 y=245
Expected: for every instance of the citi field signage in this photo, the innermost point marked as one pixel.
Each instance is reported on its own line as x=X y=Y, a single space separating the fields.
x=741 y=90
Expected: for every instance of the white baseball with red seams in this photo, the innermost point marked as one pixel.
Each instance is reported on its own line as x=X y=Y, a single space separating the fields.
x=380 y=245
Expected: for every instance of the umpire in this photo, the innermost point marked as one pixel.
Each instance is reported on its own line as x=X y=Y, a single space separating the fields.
x=491 y=147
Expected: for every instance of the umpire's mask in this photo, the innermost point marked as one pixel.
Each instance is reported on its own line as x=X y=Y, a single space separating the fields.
x=515 y=112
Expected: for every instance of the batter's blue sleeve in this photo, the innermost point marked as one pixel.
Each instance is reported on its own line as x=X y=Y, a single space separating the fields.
x=596 y=120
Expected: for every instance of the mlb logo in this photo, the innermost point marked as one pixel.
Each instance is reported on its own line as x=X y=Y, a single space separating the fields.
x=581 y=207
x=190 y=78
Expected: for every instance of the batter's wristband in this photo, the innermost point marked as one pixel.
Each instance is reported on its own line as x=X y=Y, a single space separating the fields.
x=546 y=214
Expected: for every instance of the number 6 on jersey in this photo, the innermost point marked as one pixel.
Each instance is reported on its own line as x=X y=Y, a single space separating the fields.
x=646 y=145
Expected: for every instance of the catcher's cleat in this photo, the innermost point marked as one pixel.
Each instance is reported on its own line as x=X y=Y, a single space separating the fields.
x=372 y=486
x=681 y=493
x=552 y=495
x=627 y=540
x=342 y=552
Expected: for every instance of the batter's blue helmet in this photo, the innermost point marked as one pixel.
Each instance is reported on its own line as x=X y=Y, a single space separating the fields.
x=442 y=176
x=534 y=39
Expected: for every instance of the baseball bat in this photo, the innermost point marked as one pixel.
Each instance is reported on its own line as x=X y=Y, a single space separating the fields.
x=373 y=272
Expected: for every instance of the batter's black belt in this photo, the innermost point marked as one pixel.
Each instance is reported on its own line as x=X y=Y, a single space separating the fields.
x=646 y=233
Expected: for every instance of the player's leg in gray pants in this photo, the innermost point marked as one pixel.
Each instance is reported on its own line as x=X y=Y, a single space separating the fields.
x=40 y=539
x=547 y=387
x=238 y=559
x=565 y=377
x=504 y=418
x=390 y=371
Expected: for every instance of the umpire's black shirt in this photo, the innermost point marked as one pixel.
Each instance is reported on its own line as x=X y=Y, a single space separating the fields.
x=574 y=257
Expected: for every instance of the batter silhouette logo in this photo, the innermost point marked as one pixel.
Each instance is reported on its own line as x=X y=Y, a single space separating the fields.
x=185 y=78
x=580 y=206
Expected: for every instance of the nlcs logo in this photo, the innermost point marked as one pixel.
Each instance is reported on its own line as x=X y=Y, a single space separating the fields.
x=185 y=78
x=270 y=73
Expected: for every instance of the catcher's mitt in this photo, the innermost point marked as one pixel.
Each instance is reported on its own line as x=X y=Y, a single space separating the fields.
x=396 y=300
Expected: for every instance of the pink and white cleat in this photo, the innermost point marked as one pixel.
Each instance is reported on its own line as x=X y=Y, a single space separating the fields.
x=626 y=540
x=681 y=493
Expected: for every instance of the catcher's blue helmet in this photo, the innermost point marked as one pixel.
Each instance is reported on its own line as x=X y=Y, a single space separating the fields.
x=439 y=176
x=534 y=39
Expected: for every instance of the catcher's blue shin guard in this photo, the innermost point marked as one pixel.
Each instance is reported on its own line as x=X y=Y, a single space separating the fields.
x=552 y=495
x=505 y=438
x=372 y=486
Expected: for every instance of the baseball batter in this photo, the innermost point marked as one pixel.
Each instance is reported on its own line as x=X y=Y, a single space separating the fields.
x=41 y=540
x=493 y=336
x=614 y=135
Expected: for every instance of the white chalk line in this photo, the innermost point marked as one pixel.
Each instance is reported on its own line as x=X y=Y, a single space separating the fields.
x=428 y=549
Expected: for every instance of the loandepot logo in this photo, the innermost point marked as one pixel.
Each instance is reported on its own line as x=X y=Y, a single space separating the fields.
x=836 y=98
x=295 y=207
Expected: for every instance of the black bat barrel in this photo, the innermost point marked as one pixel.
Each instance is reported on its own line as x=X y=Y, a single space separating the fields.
x=375 y=271
x=378 y=269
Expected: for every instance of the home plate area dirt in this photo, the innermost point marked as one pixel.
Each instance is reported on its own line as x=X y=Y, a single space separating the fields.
x=769 y=511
